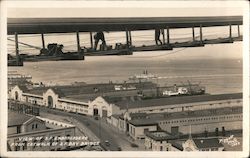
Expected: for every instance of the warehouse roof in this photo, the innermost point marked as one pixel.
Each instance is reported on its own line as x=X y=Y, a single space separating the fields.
x=155 y=118
x=15 y=119
x=176 y=100
x=93 y=90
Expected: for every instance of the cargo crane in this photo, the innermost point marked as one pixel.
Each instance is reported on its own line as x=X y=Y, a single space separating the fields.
x=195 y=89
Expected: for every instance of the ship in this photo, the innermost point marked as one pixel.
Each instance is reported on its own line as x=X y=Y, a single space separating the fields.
x=188 y=89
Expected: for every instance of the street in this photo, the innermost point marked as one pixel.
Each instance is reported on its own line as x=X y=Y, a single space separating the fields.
x=94 y=125
x=97 y=129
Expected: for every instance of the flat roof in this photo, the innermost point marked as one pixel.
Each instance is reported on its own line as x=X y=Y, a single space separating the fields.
x=66 y=25
x=159 y=135
x=176 y=100
x=155 y=118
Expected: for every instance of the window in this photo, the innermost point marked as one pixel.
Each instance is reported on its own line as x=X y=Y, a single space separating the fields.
x=32 y=126
x=18 y=129
x=161 y=148
x=36 y=126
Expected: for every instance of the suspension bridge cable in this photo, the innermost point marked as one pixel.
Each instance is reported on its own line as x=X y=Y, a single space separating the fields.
x=160 y=55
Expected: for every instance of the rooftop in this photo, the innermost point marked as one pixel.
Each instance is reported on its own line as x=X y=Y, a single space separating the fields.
x=159 y=135
x=177 y=144
x=15 y=119
x=207 y=143
x=154 y=118
x=83 y=92
x=176 y=100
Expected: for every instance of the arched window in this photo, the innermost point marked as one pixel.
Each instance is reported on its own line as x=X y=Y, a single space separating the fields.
x=50 y=101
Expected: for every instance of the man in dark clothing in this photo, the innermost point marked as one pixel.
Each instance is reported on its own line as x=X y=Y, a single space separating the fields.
x=157 y=36
x=99 y=36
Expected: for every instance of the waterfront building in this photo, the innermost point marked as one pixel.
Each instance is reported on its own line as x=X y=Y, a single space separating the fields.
x=86 y=99
x=104 y=100
x=179 y=103
x=202 y=121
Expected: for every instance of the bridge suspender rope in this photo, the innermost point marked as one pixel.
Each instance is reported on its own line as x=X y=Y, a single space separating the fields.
x=238 y=30
x=168 y=40
x=17 y=48
x=127 y=38
x=78 y=42
x=193 y=34
x=230 y=31
x=91 y=40
x=201 y=34
x=79 y=50
x=163 y=35
x=130 y=38
x=43 y=43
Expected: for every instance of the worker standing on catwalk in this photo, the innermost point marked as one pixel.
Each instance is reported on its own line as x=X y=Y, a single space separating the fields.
x=157 y=36
x=99 y=36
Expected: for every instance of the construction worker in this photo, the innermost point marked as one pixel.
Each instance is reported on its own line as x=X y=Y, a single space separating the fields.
x=157 y=36
x=99 y=36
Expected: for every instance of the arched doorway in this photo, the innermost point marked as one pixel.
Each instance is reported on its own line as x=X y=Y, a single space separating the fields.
x=95 y=111
x=16 y=95
x=50 y=102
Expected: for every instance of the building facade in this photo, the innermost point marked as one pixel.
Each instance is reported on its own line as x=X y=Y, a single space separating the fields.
x=159 y=141
x=201 y=144
x=86 y=100
x=30 y=133
x=202 y=121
